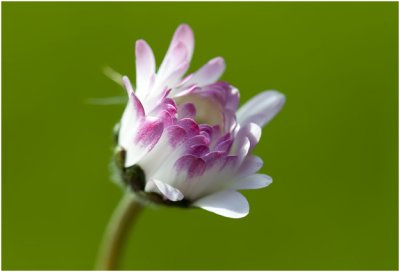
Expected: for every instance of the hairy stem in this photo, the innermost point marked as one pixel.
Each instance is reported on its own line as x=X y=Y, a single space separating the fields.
x=124 y=215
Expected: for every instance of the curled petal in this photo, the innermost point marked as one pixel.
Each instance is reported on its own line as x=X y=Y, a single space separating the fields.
x=253 y=132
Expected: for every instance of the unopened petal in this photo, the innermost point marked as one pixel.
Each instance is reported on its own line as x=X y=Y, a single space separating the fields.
x=227 y=203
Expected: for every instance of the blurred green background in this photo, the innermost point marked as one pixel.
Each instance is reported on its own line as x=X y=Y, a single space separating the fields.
x=332 y=151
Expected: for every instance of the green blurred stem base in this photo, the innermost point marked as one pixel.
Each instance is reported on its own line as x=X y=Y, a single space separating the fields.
x=122 y=220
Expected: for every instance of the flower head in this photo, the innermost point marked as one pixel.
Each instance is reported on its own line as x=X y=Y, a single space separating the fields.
x=183 y=141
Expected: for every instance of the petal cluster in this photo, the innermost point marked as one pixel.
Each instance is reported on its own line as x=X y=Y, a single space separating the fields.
x=187 y=134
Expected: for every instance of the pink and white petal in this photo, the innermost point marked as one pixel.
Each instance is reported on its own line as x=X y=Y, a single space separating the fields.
x=207 y=74
x=198 y=150
x=197 y=140
x=191 y=165
x=190 y=126
x=176 y=135
x=139 y=139
x=145 y=66
x=255 y=181
x=164 y=151
x=181 y=172
x=261 y=108
x=228 y=203
x=133 y=99
x=149 y=133
x=165 y=189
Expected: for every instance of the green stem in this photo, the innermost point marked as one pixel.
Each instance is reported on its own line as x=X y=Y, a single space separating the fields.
x=124 y=215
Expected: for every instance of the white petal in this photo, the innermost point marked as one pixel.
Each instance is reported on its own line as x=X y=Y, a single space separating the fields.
x=261 y=108
x=250 y=165
x=208 y=74
x=255 y=132
x=227 y=203
x=134 y=154
x=131 y=117
x=167 y=190
x=243 y=150
x=145 y=66
x=252 y=182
